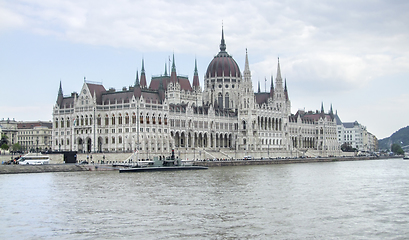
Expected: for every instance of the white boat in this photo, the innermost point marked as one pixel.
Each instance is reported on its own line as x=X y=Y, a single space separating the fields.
x=187 y=162
x=144 y=163
x=34 y=160
x=406 y=158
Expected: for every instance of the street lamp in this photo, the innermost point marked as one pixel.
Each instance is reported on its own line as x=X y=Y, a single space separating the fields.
x=268 y=149
x=37 y=146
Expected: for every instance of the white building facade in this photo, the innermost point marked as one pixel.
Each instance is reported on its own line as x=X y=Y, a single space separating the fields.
x=225 y=119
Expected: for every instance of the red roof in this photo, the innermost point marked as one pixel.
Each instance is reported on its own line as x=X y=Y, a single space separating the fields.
x=98 y=89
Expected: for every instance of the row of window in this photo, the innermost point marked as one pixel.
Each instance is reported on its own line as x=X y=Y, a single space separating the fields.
x=113 y=120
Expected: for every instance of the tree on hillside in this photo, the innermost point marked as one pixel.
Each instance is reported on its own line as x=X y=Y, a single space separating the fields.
x=396 y=148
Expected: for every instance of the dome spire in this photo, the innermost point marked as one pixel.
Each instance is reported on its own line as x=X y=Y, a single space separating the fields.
x=222 y=43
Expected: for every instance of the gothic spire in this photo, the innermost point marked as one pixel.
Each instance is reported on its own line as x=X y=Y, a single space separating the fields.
x=222 y=43
x=60 y=96
x=173 y=64
x=143 y=77
x=285 y=89
x=272 y=87
x=259 y=86
x=137 y=84
x=195 y=73
x=246 y=65
x=173 y=76
x=166 y=71
x=278 y=71
x=196 y=76
x=322 y=107
x=330 y=110
x=60 y=89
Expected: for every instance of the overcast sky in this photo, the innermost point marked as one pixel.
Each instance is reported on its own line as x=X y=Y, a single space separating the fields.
x=351 y=54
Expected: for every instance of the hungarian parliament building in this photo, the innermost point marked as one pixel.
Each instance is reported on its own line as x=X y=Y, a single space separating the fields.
x=224 y=119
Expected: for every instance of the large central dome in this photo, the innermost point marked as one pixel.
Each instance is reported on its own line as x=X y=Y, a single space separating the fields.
x=223 y=64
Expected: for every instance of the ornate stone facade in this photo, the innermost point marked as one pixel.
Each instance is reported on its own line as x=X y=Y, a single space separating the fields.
x=224 y=120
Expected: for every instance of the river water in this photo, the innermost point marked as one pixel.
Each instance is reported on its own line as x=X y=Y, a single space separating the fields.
x=336 y=200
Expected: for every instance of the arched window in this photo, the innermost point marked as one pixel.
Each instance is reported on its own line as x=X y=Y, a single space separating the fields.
x=113 y=120
x=113 y=139
x=141 y=118
x=126 y=119
x=226 y=100
x=159 y=120
x=56 y=123
x=153 y=119
x=133 y=118
x=120 y=119
x=147 y=118
x=68 y=122
x=99 y=120
x=220 y=100
x=106 y=120
x=62 y=122
x=119 y=139
x=165 y=119
x=86 y=120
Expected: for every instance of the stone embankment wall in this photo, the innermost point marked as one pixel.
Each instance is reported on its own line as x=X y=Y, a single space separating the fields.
x=106 y=157
x=5 y=169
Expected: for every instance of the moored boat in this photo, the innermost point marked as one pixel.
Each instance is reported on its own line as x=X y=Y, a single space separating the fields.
x=406 y=157
x=171 y=163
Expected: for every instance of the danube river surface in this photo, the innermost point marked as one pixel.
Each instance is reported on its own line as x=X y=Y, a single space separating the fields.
x=335 y=200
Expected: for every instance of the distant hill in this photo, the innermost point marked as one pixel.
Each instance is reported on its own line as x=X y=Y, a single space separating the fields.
x=400 y=137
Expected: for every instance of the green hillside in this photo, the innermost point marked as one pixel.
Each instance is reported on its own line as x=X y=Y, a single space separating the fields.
x=400 y=137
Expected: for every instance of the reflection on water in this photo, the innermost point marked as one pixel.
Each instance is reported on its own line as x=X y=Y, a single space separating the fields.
x=347 y=200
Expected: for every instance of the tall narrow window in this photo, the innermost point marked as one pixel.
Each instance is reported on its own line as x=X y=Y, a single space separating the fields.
x=220 y=100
